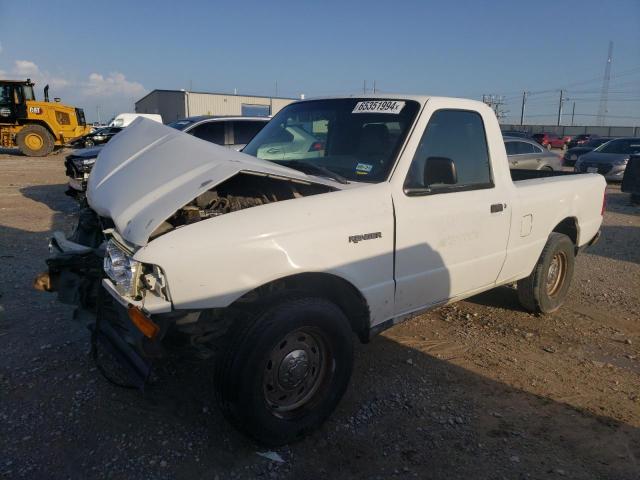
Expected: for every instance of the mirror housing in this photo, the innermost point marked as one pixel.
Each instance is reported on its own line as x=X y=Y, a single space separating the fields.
x=440 y=170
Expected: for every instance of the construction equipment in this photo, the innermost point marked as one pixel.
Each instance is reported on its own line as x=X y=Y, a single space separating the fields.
x=36 y=128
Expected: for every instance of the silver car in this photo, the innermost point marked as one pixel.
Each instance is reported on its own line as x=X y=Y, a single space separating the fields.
x=527 y=154
x=610 y=159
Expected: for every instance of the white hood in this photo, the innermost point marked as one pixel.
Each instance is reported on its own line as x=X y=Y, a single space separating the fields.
x=148 y=171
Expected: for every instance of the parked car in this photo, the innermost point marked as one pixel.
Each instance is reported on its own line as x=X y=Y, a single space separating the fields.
x=271 y=267
x=609 y=159
x=515 y=133
x=579 y=140
x=126 y=119
x=572 y=154
x=529 y=155
x=549 y=140
x=232 y=132
x=97 y=137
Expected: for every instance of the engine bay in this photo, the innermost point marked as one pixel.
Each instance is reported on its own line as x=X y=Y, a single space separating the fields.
x=243 y=190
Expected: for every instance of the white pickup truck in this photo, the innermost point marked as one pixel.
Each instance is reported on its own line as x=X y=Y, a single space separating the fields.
x=270 y=260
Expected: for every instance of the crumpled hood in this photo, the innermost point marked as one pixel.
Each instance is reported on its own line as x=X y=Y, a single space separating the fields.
x=598 y=157
x=148 y=171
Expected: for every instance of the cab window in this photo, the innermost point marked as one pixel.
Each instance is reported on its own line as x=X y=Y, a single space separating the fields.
x=452 y=136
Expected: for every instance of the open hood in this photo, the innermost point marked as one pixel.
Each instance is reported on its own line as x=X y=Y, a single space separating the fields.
x=148 y=171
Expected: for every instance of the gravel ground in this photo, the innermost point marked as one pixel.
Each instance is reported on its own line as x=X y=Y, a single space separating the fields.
x=480 y=389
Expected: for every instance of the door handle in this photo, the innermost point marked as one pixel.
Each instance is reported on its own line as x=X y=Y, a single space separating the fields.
x=497 y=207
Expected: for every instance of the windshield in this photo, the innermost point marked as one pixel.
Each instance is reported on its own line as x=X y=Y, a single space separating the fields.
x=180 y=124
x=356 y=139
x=621 y=146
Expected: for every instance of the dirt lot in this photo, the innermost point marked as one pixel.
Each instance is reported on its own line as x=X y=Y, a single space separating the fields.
x=477 y=390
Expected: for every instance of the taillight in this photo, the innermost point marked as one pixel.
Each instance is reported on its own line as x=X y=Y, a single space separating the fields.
x=604 y=204
x=316 y=147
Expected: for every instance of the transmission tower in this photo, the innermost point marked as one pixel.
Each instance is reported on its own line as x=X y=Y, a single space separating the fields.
x=496 y=102
x=604 y=94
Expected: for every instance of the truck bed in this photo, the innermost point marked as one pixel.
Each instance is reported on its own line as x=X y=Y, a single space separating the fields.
x=518 y=174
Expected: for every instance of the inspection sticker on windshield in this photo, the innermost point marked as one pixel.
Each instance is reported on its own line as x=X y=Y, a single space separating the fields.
x=363 y=168
x=379 y=106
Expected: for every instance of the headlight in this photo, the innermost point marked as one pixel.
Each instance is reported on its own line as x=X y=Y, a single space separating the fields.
x=121 y=269
x=98 y=137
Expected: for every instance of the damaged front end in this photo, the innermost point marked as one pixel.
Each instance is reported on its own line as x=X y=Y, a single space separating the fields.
x=150 y=181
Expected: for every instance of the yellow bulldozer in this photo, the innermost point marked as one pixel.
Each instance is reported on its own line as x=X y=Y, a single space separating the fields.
x=36 y=128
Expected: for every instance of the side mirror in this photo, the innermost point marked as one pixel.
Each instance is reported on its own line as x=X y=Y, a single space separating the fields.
x=440 y=170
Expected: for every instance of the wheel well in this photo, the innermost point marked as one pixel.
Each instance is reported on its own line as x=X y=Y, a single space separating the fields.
x=569 y=226
x=332 y=287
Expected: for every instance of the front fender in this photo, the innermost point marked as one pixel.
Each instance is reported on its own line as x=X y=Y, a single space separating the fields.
x=212 y=263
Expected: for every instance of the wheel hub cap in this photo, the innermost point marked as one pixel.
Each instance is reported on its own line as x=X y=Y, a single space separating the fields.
x=556 y=273
x=34 y=141
x=293 y=369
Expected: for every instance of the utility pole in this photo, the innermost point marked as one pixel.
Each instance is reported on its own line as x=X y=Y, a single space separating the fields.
x=560 y=106
x=364 y=88
x=573 y=112
x=374 y=86
x=524 y=100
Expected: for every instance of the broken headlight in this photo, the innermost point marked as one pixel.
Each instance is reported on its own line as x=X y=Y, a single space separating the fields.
x=122 y=269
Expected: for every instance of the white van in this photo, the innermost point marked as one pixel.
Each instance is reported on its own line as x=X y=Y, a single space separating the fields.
x=124 y=119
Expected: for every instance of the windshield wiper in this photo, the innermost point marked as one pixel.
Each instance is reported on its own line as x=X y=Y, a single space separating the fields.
x=313 y=169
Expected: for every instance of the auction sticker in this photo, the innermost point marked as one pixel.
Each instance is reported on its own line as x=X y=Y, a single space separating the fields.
x=379 y=106
x=363 y=168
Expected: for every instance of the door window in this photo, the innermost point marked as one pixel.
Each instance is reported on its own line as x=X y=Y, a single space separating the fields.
x=211 y=132
x=458 y=135
x=244 y=131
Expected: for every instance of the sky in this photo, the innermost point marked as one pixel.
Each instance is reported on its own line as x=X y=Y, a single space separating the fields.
x=103 y=56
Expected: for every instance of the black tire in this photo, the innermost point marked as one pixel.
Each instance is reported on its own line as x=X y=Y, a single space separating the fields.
x=246 y=372
x=534 y=292
x=635 y=199
x=35 y=134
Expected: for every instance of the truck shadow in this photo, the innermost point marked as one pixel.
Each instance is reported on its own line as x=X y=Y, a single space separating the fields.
x=405 y=411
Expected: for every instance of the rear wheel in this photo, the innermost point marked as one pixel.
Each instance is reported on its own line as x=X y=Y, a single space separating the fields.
x=35 y=141
x=284 y=372
x=545 y=290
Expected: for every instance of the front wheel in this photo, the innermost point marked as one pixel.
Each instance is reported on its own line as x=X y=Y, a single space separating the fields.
x=284 y=371
x=545 y=290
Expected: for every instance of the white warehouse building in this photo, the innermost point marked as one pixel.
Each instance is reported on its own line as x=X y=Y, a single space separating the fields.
x=177 y=104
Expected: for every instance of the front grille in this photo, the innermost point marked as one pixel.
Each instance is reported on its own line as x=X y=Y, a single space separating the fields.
x=603 y=168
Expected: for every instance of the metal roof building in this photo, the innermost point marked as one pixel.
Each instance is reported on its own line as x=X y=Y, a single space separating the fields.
x=177 y=104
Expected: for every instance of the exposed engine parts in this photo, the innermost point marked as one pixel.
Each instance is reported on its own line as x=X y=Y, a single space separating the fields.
x=244 y=190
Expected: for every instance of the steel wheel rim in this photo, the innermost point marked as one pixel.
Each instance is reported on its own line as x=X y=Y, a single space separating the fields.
x=294 y=370
x=556 y=273
x=34 y=141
